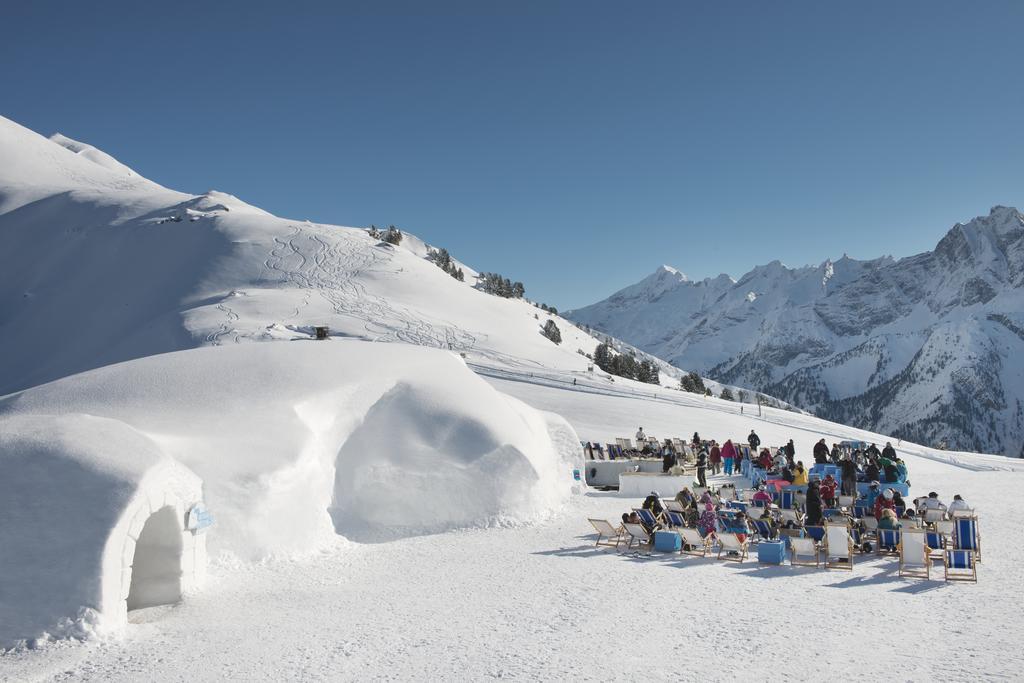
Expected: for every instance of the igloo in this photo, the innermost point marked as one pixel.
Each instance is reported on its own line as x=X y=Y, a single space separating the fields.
x=95 y=524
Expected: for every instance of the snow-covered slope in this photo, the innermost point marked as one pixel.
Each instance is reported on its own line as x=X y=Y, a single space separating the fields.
x=927 y=347
x=101 y=265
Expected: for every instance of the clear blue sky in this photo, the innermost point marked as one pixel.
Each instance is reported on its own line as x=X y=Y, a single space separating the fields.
x=574 y=146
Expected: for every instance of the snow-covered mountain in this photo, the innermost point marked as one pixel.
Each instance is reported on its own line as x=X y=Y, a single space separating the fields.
x=101 y=265
x=927 y=347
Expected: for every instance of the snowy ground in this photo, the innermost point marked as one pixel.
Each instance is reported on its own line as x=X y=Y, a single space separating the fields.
x=540 y=601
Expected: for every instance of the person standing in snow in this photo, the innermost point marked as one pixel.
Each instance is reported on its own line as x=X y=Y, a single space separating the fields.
x=728 y=457
x=641 y=438
x=873 y=452
x=812 y=505
x=835 y=455
x=827 y=491
x=702 y=467
x=820 y=453
x=753 y=440
x=668 y=460
x=715 y=458
x=849 y=469
x=696 y=442
x=790 y=450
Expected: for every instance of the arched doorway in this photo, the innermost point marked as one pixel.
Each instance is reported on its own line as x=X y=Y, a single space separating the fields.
x=156 y=567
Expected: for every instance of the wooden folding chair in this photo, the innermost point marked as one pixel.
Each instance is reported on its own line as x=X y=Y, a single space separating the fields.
x=913 y=549
x=606 y=533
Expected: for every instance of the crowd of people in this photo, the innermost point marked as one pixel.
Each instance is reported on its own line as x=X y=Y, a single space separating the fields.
x=820 y=500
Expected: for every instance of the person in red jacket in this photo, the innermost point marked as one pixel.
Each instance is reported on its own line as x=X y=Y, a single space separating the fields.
x=884 y=502
x=765 y=459
x=728 y=457
x=715 y=458
x=828 y=491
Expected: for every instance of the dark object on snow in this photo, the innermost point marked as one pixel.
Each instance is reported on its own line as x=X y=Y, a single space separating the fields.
x=322 y=332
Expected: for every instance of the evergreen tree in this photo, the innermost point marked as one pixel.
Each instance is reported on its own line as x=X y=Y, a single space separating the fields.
x=726 y=394
x=393 y=235
x=603 y=357
x=552 y=332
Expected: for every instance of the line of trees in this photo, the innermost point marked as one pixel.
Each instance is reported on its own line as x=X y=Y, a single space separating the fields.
x=443 y=260
x=392 y=235
x=624 y=365
x=495 y=284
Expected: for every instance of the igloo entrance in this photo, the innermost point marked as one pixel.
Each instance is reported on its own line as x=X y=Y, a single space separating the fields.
x=156 y=567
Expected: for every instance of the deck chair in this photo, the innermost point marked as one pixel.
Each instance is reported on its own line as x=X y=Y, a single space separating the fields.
x=861 y=511
x=888 y=541
x=960 y=565
x=675 y=520
x=698 y=545
x=803 y=552
x=870 y=525
x=914 y=560
x=791 y=516
x=817 y=533
x=787 y=499
x=936 y=544
x=727 y=493
x=637 y=534
x=934 y=515
x=966 y=536
x=747 y=494
x=672 y=504
x=606 y=533
x=763 y=529
x=958 y=514
x=838 y=547
x=730 y=543
x=699 y=491
x=845 y=501
x=648 y=518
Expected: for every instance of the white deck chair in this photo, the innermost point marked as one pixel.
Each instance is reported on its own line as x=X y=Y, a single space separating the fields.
x=672 y=504
x=870 y=524
x=606 y=533
x=957 y=514
x=637 y=534
x=803 y=552
x=914 y=555
x=845 y=501
x=838 y=546
x=730 y=543
x=699 y=491
x=791 y=516
x=747 y=495
x=699 y=545
x=934 y=515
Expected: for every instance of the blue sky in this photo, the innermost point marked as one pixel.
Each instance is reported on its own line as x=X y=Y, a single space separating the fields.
x=575 y=146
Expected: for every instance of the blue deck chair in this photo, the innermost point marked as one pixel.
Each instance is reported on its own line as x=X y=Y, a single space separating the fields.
x=647 y=517
x=966 y=537
x=888 y=541
x=832 y=513
x=960 y=565
x=675 y=519
x=861 y=511
x=763 y=529
x=611 y=451
x=935 y=544
x=815 y=532
x=738 y=505
x=787 y=499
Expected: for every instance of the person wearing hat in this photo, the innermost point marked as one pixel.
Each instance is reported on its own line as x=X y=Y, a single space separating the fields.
x=884 y=502
x=761 y=496
x=708 y=520
x=702 y=467
x=872 y=494
x=653 y=503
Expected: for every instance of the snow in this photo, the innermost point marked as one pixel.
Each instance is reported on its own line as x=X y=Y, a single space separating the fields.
x=284 y=437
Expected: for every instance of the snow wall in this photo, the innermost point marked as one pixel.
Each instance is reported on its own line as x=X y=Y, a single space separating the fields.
x=288 y=444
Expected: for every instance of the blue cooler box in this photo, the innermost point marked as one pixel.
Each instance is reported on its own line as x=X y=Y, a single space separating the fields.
x=771 y=552
x=667 y=541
